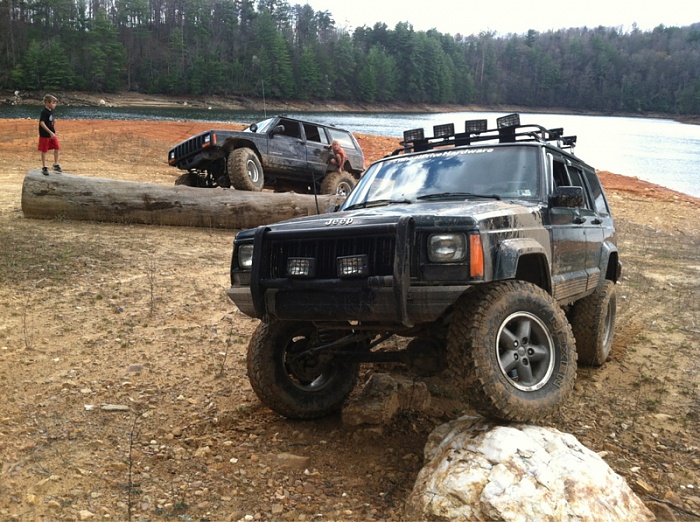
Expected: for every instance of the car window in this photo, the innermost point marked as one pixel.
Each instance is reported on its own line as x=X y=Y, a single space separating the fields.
x=576 y=178
x=315 y=133
x=601 y=205
x=343 y=138
x=291 y=129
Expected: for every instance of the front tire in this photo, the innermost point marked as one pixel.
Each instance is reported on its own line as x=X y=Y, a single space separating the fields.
x=245 y=170
x=294 y=384
x=511 y=347
x=593 y=324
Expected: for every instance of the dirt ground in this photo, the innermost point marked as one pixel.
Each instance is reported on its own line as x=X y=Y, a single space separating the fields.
x=122 y=364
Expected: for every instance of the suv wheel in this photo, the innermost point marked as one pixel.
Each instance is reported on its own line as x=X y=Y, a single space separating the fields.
x=245 y=170
x=593 y=323
x=340 y=183
x=292 y=383
x=513 y=350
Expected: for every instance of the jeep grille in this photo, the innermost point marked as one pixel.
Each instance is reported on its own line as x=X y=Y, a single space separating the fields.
x=191 y=146
x=378 y=249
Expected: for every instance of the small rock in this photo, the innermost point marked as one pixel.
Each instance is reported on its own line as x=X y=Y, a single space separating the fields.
x=115 y=407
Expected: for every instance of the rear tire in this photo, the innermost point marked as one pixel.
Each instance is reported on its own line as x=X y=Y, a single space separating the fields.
x=512 y=351
x=245 y=170
x=593 y=324
x=297 y=386
x=339 y=183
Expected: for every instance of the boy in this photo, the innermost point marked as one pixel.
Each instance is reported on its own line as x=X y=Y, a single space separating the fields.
x=338 y=156
x=48 y=139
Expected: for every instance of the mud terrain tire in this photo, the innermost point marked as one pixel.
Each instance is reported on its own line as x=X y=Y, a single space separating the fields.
x=340 y=183
x=245 y=170
x=307 y=387
x=512 y=348
x=593 y=324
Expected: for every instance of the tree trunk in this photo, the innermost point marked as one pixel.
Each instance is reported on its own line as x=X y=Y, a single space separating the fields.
x=68 y=196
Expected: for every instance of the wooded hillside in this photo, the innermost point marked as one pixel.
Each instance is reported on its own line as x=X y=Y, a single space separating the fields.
x=289 y=51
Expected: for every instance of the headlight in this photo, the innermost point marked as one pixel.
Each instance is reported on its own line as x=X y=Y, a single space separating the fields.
x=245 y=256
x=447 y=248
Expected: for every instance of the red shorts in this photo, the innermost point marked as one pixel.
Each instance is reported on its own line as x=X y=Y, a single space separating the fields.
x=47 y=144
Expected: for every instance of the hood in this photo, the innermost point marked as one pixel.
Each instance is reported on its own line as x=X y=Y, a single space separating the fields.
x=482 y=214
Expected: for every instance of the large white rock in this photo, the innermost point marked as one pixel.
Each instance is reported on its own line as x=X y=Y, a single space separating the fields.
x=479 y=470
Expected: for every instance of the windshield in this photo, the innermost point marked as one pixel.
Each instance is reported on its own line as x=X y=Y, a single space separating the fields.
x=498 y=172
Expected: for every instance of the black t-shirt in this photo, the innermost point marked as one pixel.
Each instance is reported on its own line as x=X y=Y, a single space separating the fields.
x=47 y=118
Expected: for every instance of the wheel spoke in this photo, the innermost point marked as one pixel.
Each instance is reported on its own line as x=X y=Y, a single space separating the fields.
x=509 y=360
x=538 y=353
x=525 y=376
x=524 y=330
x=507 y=341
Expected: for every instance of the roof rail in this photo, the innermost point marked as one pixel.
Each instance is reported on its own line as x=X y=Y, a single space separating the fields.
x=508 y=130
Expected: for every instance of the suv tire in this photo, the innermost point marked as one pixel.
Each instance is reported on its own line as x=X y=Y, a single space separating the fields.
x=306 y=387
x=593 y=323
x=512 y=346
x=340 y=183
x=245 y=170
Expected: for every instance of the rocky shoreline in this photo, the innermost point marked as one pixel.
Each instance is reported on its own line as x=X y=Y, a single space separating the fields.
x=232 y=102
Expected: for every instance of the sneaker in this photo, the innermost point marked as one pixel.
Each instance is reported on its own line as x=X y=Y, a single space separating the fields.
x=57 y=168
x=45 y=171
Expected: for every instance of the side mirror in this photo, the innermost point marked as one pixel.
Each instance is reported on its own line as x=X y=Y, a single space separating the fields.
x=567 y=197
x=253 y=127
x=278 y=130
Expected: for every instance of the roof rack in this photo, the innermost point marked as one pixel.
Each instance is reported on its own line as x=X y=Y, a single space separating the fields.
x=508 y=130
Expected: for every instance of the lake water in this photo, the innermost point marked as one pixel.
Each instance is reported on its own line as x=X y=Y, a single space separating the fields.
x=661 y=151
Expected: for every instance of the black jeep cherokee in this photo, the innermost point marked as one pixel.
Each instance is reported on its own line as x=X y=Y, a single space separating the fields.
x=279 y=153
x=470 y=244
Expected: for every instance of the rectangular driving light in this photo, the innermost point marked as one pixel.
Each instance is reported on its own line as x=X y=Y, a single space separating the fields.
x=352 y=266
x=511 y=120
x=555 y=134
x=413 y=135
x=475 y=126
x=444 y=131
x=301 y=267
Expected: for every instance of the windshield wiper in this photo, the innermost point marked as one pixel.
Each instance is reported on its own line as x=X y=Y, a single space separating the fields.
x=378 y=203
x=459 y=195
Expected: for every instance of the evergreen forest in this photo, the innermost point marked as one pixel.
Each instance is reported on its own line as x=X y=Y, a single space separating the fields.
x=289 y=51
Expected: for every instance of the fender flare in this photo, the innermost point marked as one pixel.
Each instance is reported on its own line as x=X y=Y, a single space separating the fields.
x=511 y=251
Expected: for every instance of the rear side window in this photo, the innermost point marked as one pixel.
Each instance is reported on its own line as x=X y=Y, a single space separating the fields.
x=601 y=205
x=343 y=138
x=315 y=134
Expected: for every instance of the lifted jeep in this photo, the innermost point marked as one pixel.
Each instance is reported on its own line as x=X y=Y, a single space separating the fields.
x=279 y=153
x=470 y=244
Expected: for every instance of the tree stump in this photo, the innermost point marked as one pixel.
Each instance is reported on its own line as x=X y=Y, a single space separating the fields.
x=66 y=196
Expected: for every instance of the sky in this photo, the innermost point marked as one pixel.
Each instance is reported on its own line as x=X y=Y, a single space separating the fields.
x=508 y=16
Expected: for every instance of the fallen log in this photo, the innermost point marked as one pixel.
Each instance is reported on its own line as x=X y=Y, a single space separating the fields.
x=66 y=196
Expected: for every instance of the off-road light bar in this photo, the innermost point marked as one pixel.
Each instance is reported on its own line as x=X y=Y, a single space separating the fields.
x=352 y=266
x=511 y=120
x=413 y=135
x=444 y=131
x=301 y=267
x=569 y=141
x=476 y=126
x=555 y=134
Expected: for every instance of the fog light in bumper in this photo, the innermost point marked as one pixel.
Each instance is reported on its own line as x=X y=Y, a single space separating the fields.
x=301 y=267
x=352 y=266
